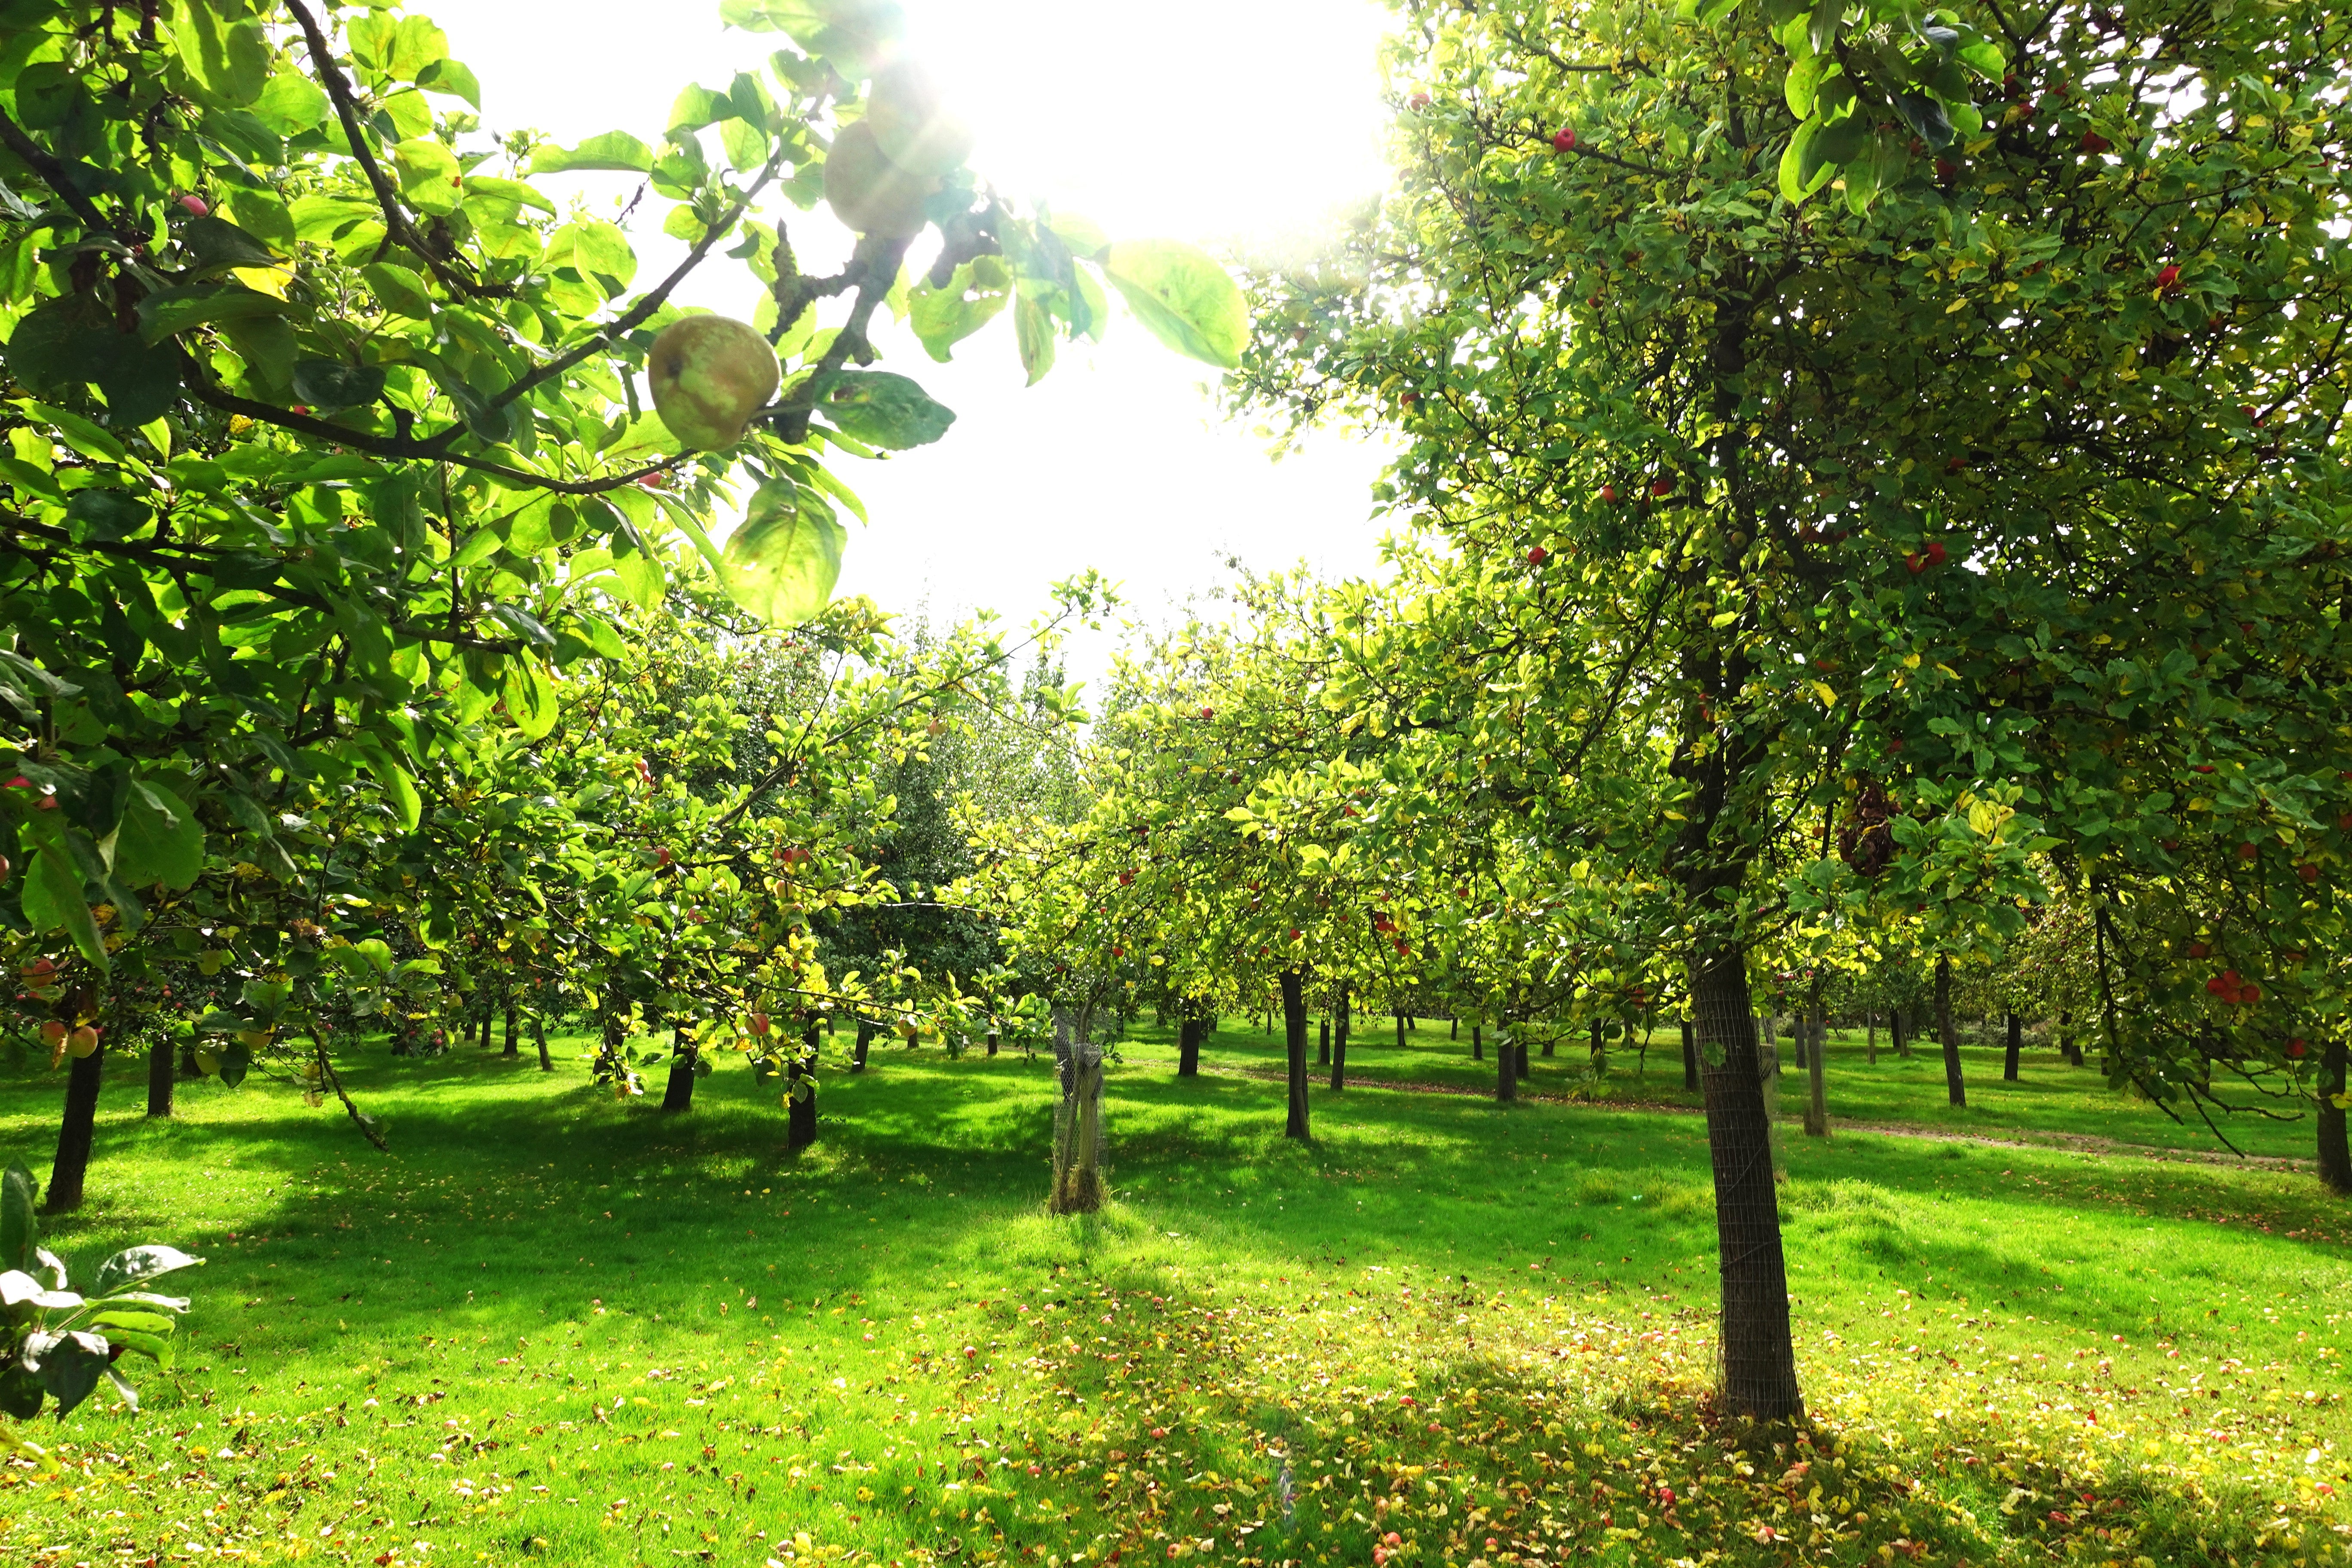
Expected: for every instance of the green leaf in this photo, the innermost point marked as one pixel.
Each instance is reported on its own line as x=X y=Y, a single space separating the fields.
x=150 y=1324
x=615 y=149
x=880 y=408
x=1804 y=78
x=399 y=789
x=783 y=559
x=855 y=35
x=1033 y=333
x=20 y=1229
x=328 y=385
x=52 y=900
x=219 y=244
x=429 y=174
x=973 y=297
x=170 y=311
x=68 y=1364
x=403 y=291
x=746 y=144
x=159 y=840
x=229 y=60
x=1183 y=296
x=529 y=699
x=451 y=79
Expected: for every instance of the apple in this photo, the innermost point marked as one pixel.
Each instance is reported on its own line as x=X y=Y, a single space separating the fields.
x=193 y=206
x=870 y=194
x=1947 y=170
x=1537 y=555
x=53 y=1033
x=1911 y=559
x=2199 y=950
x=2094 y=142
x=83 y=1041
x=912 y=125
x=2308 y=872
x=2201 y=767
x=710 y=376
x=1126 y=878
x=2169 y=278
x=2249 y=851
x=1118 y=953
x=1609 y=494
x=1564 y=139
x=1662 y=489
x=1934 y=552
x=1208 y=712
x=759 y=1023
x=2294 y=1047
x=1418 y=101
x=1957 y=466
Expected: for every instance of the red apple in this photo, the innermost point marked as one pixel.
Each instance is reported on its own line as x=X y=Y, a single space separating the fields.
x=1208 y=712
x=2308 y=872
x=2199 y=950
x=1564 y=139
x=53 y=1033
x=2168 y=279
x=1911 y=559
x=193 y=206
x=1419 y=101
x=759 y=1023
x=2094 y=142
x=1537 y=555
x=1934 y=552
x=2249 y=851
x=82 y=1041
x=2201 y=767
x=1662 y=489
x=2294 y=1047
x=1947 y=170
x=1609 y=494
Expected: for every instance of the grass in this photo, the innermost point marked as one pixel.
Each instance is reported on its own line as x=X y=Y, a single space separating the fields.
x=553 y=1328
x=2051 y=1100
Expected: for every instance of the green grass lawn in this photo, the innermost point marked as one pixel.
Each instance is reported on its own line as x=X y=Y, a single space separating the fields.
x=551 y=1327
x=2050 y=1100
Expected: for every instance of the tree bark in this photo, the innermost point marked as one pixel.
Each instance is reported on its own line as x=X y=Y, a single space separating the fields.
x=539 y=1033
x=161 y=1076
x=1454 y=1031
x=2016 y=1044
x=1339 y=1062
x=2335 y=1156
x=514 y=1025
x=1897 y=1031
x=679 y=1094
x=1188 y=1030
x=1954 y=1085
x=74 y=1132
x=800 y=1122
x=1294 y=1028
x=1477 y=1043
x=865 y=1039
x=489 y=1008
x=1600 y=1049
x=1323 y=1052
x=1870 y=1023
x=1690 y=1059
x=1520 y=1052
x=1344 y=1017
x=1400 y=1028
x=1760 y=1364
x=1817 y=1101
x=1506 y=1067
x=2067 y=1045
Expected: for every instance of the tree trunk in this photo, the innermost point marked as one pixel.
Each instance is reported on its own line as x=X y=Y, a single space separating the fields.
x=1768 y=1069
x=2334 y=1157
x=1896 y=1032
x=1817 y=1102
x=1477 y=1043
x=1454 y=1031
x=800 y=1122
x=679 y=1094
x=1344 y=1018
x=1799 y=1037
x=1690 y=1057
x=489 y=1009
x=1506 y=1067
x=1399 y=1027
x=2067 y=1045
x=2016 y=1044
x=1294 y=1030
x=1955 y=1086
x=1600 y=1049
x=1870 y=1023
x=72 y=1165
x=539 y=1033
x=1519 y=1053
x=1758 y=1359
x=1188 y=1030
x=1323 y=1052
x=1339 y=1062
x=514 y=1025
x=159 y=1079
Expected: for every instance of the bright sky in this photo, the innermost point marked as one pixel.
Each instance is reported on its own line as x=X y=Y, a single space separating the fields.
x=1215 y=122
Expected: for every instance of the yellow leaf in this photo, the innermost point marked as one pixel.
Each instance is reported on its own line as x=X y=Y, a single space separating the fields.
x=270 y=281
x=1828 y=697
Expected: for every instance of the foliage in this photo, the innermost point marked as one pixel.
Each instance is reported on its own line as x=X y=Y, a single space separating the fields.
x=333 y=488
x=60 y=1344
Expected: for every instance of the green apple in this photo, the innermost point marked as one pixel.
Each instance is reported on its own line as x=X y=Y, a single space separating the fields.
x=710 y=376
x=870 y=194
x=912 y=126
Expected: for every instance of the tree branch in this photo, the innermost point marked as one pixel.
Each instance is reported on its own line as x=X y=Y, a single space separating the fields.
x=52 y=173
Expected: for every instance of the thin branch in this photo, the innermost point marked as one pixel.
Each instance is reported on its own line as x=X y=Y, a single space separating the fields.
x=52 y=173
x=395 y=213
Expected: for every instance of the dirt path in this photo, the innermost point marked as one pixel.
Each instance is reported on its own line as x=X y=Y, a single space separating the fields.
x=2071 y=1143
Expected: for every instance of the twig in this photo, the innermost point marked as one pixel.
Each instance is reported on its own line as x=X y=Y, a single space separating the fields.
x=52 y=173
